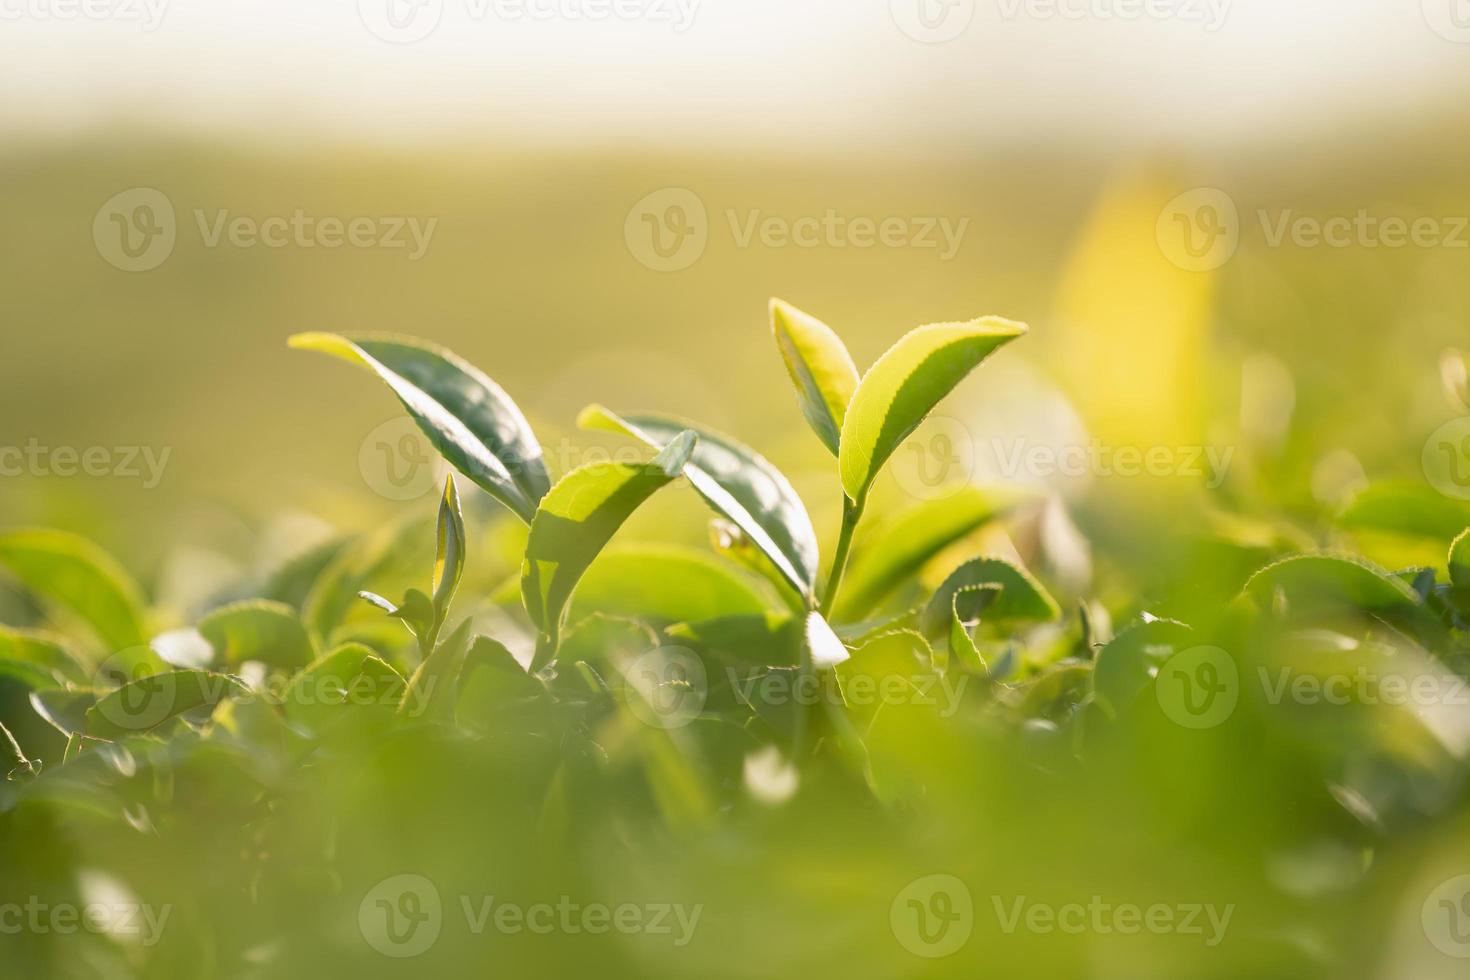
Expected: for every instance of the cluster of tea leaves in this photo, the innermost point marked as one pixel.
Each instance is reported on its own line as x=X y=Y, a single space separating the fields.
x=781 y=736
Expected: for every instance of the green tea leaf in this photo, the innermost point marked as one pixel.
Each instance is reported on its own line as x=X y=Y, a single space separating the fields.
x=13 y=761
x=145 y=704
x=352 y=675
x=432 y=690
x=1460 y=560
x=73 y=573
x=65 y=710
x=1126 y=666
x=579 y=516
x=1020 y=598
x=902 y=546
x=820 y=368
x=1316 y=582
x=967 y=604
x=38 y=660
x=467 y=417
x=903 y=387
x=663 y=583
x=739 y=484
x=256 y=629
x=1410 y=509
x=450 y=551
x=730 y=542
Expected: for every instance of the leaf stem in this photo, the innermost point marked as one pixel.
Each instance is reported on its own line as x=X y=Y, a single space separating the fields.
x=546 y=644
x=851 y=514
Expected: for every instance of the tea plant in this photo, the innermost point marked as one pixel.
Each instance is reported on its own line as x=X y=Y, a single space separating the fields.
x=836 y=734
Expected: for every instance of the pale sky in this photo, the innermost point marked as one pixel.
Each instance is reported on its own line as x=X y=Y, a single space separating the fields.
x=739 y=74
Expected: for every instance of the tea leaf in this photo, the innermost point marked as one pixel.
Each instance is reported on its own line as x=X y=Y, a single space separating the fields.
x=739 y=484
x=147 y=703
x=449 y=553
x=467 y=417
x=901 y=547
x=269 y=632
x=1021 y=597
x=664 y=583
x=352 y=673
x=904 y=385
x=73 y=573
x=38 y=660
x=820 y=368
x=578 y=517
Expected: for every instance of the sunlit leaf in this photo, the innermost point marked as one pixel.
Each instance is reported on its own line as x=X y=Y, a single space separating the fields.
x=664 y=583
x=900 y=547
x=1411 y=509
x=467 y=417
x=820 y=368
x=739 y=484
x=1021 y=597
x=578 y=517
x=904 y=385
x=449 y=554
x=74 y=574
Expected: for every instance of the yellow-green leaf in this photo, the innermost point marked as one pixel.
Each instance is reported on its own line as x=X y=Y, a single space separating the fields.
x=820 y=368
x=73 y=573
x=904 y=386
x=579 y=516
x=900 y=547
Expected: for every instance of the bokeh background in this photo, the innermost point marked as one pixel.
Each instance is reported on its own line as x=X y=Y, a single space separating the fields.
x=1113 y=174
